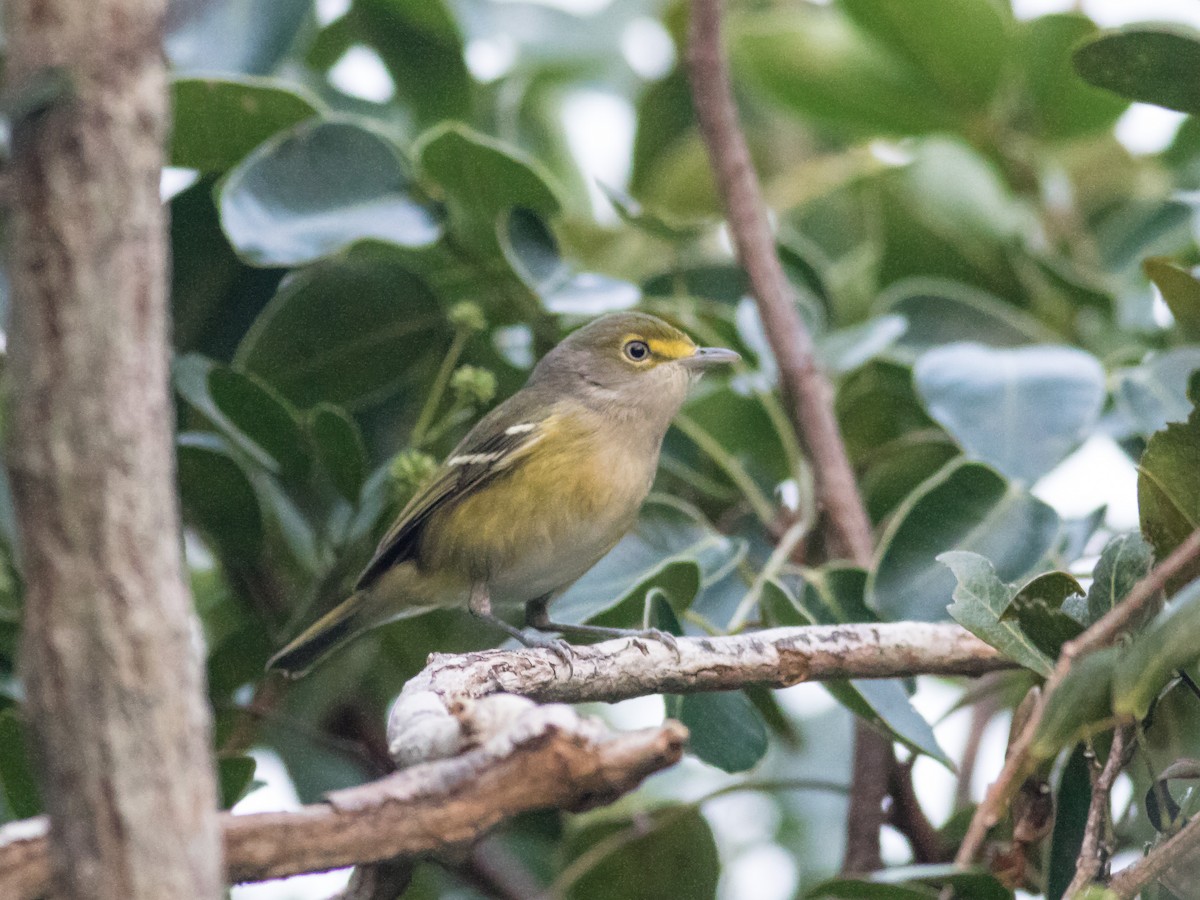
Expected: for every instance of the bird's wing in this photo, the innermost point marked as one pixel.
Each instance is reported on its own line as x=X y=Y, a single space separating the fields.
x=499 y=439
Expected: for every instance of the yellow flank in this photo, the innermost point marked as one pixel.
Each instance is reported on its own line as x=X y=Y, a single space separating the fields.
x=529 y=507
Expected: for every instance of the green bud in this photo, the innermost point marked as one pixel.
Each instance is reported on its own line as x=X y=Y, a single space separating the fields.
x=467 y=316
x=409 y=470
x=472 y=386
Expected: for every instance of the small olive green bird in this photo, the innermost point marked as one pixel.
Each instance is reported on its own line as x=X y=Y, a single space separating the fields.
x=535 y=494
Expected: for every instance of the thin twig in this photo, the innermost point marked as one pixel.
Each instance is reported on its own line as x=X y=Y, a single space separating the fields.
x=807 y=392
x=1100 y=634
x=1094 y=851
x=1183 y=846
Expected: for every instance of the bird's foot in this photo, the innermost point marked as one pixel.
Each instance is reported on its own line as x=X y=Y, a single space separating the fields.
x=556 y=645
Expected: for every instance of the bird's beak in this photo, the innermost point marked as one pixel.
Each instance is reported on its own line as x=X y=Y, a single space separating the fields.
x=707 y=357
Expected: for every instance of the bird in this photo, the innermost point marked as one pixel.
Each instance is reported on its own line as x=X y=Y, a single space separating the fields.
x=535 y=494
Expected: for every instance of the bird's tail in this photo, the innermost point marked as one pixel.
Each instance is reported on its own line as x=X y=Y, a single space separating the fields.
x=351 y=617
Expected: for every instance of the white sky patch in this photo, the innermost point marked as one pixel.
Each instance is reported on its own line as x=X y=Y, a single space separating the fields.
x=763 y=872
x=599 y=128
x=489 y=58
x=578 y=7
x=331 y=10
x=361 y=73
x=648 y=48
x=1098 y=472
x=1144 y=129
x=175 y=181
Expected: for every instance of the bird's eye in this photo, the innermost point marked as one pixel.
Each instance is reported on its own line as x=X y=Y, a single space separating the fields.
x=637 y=350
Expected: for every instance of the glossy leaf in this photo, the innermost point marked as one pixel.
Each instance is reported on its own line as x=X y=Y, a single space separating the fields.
x=248 y=413
x=347 y=331
x=917 y=881
x=671 y=548
x=1038 y=608
x=1148 y=65
x=17 y=778
x=668 y=853
x=236 y=777
x=980 y=602
x=214 y=35
x=726 y=730
x=1166 y=645
x=941 y=312
x=1071 y=803
x=215 y=121
x=834 y=595
x=481 y=181
x=318 y=188
x=816 y=62
x=1020 y=410
x=1081 y=706
x=1169 y=486
x=1124 y=561
x=958 y=45
x=966 y=506
x=1058 y=103
x=339 y=448
x=1181 y=291
x=217 y=496
x=1155 y=393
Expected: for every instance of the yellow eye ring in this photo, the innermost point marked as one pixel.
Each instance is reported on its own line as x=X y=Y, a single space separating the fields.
x=637 y=351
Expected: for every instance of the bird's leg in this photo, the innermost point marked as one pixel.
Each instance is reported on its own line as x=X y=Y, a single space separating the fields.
x=480 y=606
x=537 y=616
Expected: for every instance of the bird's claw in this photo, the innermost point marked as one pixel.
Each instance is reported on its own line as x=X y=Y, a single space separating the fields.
x=654 y=634
x=557 y=646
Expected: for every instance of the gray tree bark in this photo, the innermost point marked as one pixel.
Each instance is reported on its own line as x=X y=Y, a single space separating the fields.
x=111 y=648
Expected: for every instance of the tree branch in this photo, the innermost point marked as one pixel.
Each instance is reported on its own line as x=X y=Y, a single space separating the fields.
x=554 y=759
x=1099 y=635
x=110 y=652
x=1093 y=856
x=1178 y=851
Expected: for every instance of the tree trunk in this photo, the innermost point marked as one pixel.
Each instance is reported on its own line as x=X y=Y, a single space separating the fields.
x=111 y=652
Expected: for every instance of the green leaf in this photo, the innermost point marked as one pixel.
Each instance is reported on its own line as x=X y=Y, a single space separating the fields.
x=1081 y=706
x=17 y=778
x=1059 y=104
x=980 y=601
x=248 y=413
x=966 y=506
x=834 y=595
x=1166 y=645
x=236 y=777
x=216 y=121
x=1037 y=608
x=1020 y=410
x=846 y=349
x=1169 y=488
x=1155 y=392
x=217 y=496
x=671 y=548
x=420 y=44
x=318 y=188
x=1181 y=291
x=1124 y=561
x=233 y=35
x=917 y=881
x=666 y=853
x=726 y=729
x=940 y=311
x=957 y=45
x=1148 y=65
x=815 y=62
x=1071 y=804
x=481 y=180
x=339 y=448
x=348 y=331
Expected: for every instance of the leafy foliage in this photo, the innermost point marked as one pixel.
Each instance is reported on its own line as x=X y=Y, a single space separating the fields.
x=357 y=280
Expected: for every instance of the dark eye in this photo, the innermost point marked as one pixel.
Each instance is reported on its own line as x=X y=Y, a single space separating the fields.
x=637 y=350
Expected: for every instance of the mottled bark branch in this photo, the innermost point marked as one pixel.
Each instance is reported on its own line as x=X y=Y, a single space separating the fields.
x=111 y=649
x=1178 y=854
x=1101 y=634
x=1094 y=851
x=553 y=759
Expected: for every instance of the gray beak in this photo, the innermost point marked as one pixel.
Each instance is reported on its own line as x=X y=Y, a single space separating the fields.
x=707 y=357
